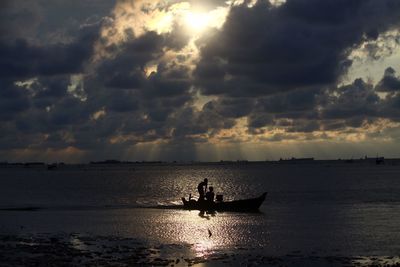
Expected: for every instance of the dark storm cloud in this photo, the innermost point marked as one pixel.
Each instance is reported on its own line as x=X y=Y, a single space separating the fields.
x=357 y=99
x=210 y=117
x=68 y=111
x=12 y=139
x=235 y=108
x=390 y=82
x=149 y=99
x=13 y=100
x=49 y=21
x=50 y=86
x=168 y=82
x=46 y=90
x=332 y=109
x=304 y=126
x=19 y=19
x=391 y=107
x=46 y=108
x=276 y=67
x=48 y=38
x=231 y=108
x=287 y=56
x=259 y=120
x=21 y=59
x=160 y=108
x=296 y=100
x=126 y=69
x=208 y=121
x=265 y=49
x=299 y=105
x=123 y=102
x=45 y=43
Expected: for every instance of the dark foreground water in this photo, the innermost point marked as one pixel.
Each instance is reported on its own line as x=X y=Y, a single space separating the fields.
x=314 y=214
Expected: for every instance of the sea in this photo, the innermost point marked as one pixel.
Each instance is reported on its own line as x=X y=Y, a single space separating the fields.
x=319 y=208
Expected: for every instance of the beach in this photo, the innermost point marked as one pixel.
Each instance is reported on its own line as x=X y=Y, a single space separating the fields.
x=78 y=250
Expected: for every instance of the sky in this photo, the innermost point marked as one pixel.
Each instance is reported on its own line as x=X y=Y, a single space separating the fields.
x=199 y=80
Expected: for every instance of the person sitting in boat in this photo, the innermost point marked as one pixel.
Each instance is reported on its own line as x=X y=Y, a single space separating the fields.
x=210 y=194
x=202 y=188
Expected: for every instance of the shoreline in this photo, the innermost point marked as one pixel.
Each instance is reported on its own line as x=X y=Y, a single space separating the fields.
x=84 y=250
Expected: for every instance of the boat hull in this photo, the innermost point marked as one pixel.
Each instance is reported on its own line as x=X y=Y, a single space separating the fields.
x=244 y=205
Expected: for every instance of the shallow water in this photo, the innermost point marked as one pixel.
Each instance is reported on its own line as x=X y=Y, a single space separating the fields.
x=312 y=209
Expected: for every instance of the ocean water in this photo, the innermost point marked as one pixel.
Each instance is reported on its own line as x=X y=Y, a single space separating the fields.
x=330 y=208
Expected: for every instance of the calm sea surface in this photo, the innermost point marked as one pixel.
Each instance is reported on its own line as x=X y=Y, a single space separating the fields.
x=336 y=208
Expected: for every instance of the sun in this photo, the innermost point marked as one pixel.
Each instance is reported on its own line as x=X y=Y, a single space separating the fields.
x=197 y=21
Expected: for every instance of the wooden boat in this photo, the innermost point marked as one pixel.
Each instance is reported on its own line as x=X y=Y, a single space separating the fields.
x=244 y=205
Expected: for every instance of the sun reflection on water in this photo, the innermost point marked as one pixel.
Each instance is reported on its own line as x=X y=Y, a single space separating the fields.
x=204 y=248
x=198 y=230
x=204 y=232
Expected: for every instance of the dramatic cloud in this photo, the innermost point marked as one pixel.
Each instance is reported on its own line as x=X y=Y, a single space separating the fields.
x=266 y=49
x=390 y=82
x=195 y=79
x=21 y=59
x=13 y=100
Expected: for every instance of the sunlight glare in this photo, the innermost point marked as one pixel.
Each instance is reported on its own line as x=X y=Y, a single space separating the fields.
x=197 y=21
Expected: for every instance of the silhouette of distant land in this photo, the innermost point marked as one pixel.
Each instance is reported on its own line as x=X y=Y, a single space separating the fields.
x=113 y=161
x=292 y=160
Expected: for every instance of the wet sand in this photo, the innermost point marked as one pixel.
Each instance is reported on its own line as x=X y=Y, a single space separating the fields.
x=82 y=250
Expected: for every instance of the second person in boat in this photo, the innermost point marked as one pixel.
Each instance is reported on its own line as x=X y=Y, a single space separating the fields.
x=210 y=194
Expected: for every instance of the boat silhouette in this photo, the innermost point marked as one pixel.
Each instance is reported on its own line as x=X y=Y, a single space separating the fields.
x=243 y=205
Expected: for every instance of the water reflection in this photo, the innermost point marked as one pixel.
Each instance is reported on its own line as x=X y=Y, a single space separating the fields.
x=194 y=227
x=206 y=214
x=76 y=243
x=205 y=232
x=204 y=248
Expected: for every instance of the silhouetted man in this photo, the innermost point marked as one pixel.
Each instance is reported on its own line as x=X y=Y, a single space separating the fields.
x=210 y=194
x=202 y=188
